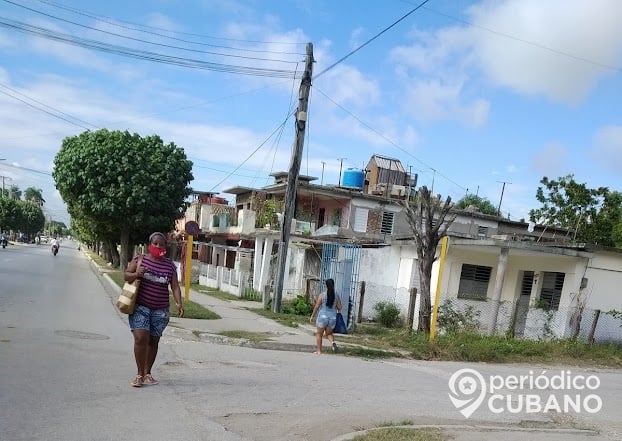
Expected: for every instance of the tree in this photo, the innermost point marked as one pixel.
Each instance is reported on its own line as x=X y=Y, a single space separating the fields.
x=483 y=205
x=429 y=219
x=587 y=212
x=124 y=185
x=9 y=214
x=15 y=192
x=31 y=218
x=33 y=194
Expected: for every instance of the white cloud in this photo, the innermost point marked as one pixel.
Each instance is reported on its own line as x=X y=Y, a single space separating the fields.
x=356 y=37
x=583 y=30
x=608 y=148
x=551 y=160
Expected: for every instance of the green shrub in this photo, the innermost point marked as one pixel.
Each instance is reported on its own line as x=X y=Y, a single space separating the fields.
x=299 y=306
x=387 y=314
x=452 y=320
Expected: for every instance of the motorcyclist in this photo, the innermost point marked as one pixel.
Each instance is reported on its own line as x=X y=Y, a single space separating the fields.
x=54 y=243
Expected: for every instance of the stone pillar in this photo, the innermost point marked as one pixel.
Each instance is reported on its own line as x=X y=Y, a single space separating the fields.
x=257 y=258
x=265 y=263
x=496 y=295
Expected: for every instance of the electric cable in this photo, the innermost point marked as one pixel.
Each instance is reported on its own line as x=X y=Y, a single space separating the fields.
x=371 y=39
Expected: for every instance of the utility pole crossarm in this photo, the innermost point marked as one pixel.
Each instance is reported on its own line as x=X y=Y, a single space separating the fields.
x=292 y=177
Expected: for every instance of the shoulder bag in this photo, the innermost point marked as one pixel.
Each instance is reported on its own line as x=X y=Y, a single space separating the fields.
x=127 y=299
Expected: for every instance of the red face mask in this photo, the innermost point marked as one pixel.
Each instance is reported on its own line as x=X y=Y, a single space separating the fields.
x=157 y=252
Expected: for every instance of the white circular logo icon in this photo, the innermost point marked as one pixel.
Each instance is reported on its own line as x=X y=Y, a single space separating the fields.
x=467 y=390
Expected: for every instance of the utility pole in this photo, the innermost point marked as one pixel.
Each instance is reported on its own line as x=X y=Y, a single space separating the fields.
x=322 y=180
x=501 y=199
x=340 y=168
x=292 y=177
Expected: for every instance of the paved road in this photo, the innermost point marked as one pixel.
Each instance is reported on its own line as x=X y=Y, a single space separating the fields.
x=66 y=363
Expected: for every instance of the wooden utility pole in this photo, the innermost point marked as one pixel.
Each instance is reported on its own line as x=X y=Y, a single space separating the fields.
x=292 y=177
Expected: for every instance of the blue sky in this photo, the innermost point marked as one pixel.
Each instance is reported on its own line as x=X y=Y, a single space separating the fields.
x=467 y=94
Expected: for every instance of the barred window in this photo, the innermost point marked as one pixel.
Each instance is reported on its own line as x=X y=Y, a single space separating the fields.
x=387 y=222
x=474 y=280
x=551 y=293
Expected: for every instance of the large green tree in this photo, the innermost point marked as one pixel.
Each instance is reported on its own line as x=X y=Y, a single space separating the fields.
x=31 y=218
x=483 y=205
x=123 y=184
x=591 y=213
x=35 y=195
x=429 y=218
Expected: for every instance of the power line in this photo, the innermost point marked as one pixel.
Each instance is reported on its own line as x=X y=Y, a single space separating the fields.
x=142 y=54
x=390 y=141
x=531 y=43
x=168 y=46
x=103 y=18
x=371 y=39
x=49 y=107
x=136 y=27
x=252 y=153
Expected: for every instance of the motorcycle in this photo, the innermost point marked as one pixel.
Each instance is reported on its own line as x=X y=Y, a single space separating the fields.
x=55 y=249
x=4 y=241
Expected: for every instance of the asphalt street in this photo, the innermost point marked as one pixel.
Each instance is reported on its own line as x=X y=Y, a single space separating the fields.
x=66 y=364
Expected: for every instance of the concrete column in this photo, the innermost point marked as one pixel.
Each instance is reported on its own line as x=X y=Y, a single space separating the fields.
x=496 y=296
x=259 y=241
x=265 y=263
x=214 y=255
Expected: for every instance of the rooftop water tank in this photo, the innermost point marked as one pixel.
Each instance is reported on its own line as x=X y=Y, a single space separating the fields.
x=353 y=178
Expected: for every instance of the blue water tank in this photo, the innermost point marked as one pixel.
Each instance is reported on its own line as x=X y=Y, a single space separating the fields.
x=353 y=178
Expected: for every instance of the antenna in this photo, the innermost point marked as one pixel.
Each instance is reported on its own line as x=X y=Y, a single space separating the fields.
x=501 y=199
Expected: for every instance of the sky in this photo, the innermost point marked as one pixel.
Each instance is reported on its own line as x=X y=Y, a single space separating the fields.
x=475 y=97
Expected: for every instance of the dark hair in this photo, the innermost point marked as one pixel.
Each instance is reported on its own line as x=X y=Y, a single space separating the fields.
x=330 y=292
x=157 y=233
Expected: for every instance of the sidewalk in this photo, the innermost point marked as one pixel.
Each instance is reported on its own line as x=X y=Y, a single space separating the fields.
x=236 y=315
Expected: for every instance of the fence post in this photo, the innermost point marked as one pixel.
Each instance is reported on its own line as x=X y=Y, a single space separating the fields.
x=411 y=308
x=359 y=317
x=266 y=296
x=590 y=337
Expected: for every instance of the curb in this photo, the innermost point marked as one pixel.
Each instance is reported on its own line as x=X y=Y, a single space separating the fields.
x=471 y=428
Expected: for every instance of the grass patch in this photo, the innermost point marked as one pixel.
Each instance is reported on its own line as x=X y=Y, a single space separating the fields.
x=213 y=292
x=247 y=335
x=193 y=310
x=117 y=277
x=480 y=348
x=291 y=320
x=365 y=352
x=100 y=261
x=402 y=434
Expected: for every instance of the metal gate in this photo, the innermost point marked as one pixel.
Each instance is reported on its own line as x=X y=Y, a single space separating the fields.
x=340 y=262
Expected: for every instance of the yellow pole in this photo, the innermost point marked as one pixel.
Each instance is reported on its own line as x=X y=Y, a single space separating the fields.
x=437 y=297
x=188 y=269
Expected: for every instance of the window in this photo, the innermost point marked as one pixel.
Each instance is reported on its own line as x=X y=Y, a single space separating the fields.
x=360 y=219
x=551 y=293
x=386 y=227
x=482 y=231
x=474 y=280
x=335 y=216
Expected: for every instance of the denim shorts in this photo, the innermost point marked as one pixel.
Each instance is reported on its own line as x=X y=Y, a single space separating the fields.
x=152 y=320
x=326 y=320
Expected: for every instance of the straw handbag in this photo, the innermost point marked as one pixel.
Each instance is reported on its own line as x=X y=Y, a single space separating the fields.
x=127 y=299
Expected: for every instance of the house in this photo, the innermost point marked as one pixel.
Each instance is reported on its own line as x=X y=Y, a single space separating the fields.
x=526 y=280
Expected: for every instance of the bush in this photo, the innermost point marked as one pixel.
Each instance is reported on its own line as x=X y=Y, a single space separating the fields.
x=452 y=320
x=299 y=306
x=387 y=314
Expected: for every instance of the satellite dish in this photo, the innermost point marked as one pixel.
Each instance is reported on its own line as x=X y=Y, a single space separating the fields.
x=531 y=226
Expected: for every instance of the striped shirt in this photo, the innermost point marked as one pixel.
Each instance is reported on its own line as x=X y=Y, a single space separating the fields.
x=153 y=291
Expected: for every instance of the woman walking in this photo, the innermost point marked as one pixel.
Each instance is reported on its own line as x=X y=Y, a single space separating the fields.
x=151 y=315
x=328 y=305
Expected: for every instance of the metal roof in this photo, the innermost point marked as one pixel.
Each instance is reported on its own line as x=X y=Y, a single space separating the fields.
x=387 y=163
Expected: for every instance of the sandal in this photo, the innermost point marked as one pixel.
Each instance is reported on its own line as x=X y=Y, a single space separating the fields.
x=149 y=380
x=137 y=381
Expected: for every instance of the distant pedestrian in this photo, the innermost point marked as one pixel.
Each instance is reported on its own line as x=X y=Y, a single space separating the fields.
x=151 y=315
x=326 y=307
